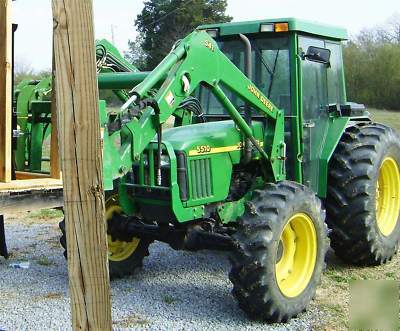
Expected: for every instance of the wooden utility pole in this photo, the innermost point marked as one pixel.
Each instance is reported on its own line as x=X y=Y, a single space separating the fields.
x=5 y=89
x=81 y=160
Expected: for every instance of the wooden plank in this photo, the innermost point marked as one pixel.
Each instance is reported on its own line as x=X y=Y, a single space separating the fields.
x=29 y=175
x=81 y=163
x=30 y=184
x=5 y=89
x=55 y=170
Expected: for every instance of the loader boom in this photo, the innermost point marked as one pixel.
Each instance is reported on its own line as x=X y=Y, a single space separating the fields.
x=194 y=61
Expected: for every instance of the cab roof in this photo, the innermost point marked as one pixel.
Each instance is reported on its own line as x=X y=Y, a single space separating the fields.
x=309 y=27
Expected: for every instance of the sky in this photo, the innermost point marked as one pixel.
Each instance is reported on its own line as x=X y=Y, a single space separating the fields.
x=34 y=17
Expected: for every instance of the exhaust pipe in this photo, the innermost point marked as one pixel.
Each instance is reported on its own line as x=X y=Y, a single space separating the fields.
x=247 y=113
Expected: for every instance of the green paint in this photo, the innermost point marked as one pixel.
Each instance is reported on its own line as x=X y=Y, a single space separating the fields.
x=295 y=25
x=297 y=119
x=40 y=129
x=230 y=211
x=333 y=135
x=120 y=80
x=32 y=99
x=32 y=115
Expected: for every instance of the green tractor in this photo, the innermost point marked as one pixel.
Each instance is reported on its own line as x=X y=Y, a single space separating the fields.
x=32 y=113
x=242 y=139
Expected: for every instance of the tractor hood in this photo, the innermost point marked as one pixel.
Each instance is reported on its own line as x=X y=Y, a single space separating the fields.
x=209 y=138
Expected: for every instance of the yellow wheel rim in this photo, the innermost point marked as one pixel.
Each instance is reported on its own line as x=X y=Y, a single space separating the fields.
x=388 y=196
x=296 y=255
x=118 y=250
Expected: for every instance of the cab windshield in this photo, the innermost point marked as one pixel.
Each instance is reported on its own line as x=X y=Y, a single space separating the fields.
x=271 y=72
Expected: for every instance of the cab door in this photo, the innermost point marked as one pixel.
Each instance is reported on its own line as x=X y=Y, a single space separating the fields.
x=314 y=99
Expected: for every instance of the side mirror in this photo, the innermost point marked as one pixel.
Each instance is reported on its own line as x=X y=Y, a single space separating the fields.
x=318 y=54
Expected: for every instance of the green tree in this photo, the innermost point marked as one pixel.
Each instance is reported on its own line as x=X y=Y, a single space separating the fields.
x=372 y=64
x=162 y=22
x=136 y=54
x=24 y=71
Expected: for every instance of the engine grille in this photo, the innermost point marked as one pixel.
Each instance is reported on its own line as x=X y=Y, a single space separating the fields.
x=201 y=178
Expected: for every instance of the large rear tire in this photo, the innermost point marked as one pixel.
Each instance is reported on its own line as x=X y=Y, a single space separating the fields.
x=124 y=255
x=280 y=256
x=363 y=201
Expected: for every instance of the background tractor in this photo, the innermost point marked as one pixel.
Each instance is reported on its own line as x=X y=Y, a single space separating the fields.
x=32 y=112
x=263 y=145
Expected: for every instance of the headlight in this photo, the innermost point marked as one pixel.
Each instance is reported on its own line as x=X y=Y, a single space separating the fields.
x=267 y=27
x=165 y=161
x=213 y=33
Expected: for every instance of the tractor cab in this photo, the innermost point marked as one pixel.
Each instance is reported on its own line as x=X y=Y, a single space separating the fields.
x=298 y=65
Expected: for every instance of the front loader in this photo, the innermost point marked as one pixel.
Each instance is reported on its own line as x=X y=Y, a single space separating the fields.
x=32 y=112
x=242 y=139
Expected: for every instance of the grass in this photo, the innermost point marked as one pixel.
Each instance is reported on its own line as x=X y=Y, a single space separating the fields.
x=48 y=296
x=169 y=300
x=336 y=276
x=52 y=296
x=46 y=214
x=390 y=118
x=334 y=293
x=35 y=217
x=131 y=321
x=44 y=261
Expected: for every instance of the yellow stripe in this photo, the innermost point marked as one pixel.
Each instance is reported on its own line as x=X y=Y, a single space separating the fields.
x=215 y=150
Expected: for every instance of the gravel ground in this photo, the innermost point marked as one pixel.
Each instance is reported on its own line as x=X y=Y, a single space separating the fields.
x=173 y=291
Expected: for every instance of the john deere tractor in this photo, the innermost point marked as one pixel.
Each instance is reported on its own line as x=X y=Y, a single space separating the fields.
x=242 y=139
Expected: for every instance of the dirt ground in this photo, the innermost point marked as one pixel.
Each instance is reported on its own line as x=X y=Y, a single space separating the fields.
x=175 y=290
x=333 y=294
x=331 y=302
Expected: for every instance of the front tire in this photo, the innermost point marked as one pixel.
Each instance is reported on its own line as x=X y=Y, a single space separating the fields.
x=125 y=255
x=363 y=201
x=280 y=256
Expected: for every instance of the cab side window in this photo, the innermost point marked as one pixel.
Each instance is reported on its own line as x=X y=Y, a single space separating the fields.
x=336 y=90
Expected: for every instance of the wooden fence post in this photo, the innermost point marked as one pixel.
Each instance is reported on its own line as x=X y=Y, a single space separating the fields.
x=5 y=89
x=55 y=170
x=81 y=160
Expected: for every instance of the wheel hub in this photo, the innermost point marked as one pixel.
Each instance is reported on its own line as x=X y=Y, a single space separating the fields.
x=296 y=255
x=387 y=197
x=119 y=246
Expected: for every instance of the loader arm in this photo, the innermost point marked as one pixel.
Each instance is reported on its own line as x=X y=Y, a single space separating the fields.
x=194 y=61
